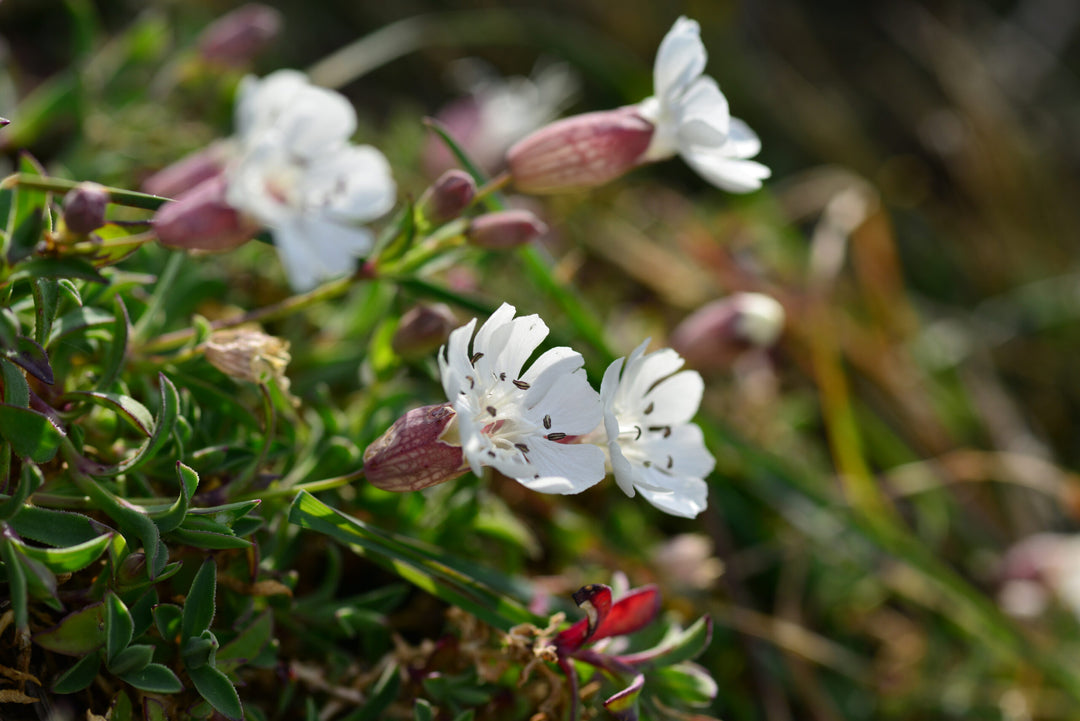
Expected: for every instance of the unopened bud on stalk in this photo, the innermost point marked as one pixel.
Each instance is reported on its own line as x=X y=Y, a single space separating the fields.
x=237 y=37
x=447 y=197
x=84 y=207
x=582 y=151
x=201 y=219
x=188 y=172
x=719 y=331
x=505 y=229
x=248 y=354
x=423 y=329
x=416 y=452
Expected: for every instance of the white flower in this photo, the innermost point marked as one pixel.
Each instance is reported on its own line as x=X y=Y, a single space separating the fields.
x=654 y=448
x=522 y=424
x=692 y=118
x=298 y=175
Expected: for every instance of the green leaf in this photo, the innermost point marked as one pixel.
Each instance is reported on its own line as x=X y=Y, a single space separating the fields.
x=200 y=651
x=248 y=644
x=422 y=710
x=79 y=676
x=200 y=602
x=676 y=647
x=153 y=710
x=29 y=481
x=16 y=578
x=77 y=633
x=133 y=521
x=26 y=222
x=132 y=659
x=40 y=581
x=421 y=568
x=32 y=435
x=48 y=270
x=71 y=290
x=16 y=389
x=216 y=688
x=686 y=684
x=116 y=353
x=142 y=611
x=128 y=408
x=77 y=320
x=155 y=678
x=167 y=619
x=121 y=709
x=171 y=518
x=163 y=428
x=46 y=293
x=208 y=540
x=56 y=528
x=31 y=357
x=118 y=626
x=69 y=559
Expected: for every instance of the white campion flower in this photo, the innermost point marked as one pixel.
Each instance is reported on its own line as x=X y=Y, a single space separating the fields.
x=523 y=424
x=299 y=176
x=687 y=115
x=692 y=118
x=653 y=446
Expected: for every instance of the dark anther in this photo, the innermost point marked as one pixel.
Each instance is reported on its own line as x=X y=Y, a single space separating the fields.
x=476 y=357
x=665 y=429
x=638 y=436
x=649 y=408
x=556 y=436
x=647 y=464
x=521 y=447
x=670 y=462
x=491 y=453
x=492 y=411
x=522 y=385
x=502 y=376
x=547 y=422
x=472 y=381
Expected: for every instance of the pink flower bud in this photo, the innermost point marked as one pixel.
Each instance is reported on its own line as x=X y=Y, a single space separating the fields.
x=200 y=219
x=188 y=172
x=423 y=329
x=505 y=229
x=84 y=208
x=582 y=151
x=718 y=332
x=447 y=197
x=411 y=454
x=237 y=37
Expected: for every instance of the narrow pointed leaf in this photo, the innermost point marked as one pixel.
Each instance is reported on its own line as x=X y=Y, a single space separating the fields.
x=70 y=559
x=132 y=659
x=155 y=678
x=29 y=481
x=16 y=579
x=172 y=517
x=79 y=676
x=16 y=389
x=117 y=347
x=31 y=434
x=29 y=355
x=623 y=706
x=200 y=602
x=128 y=408
x=118 y=626
x=675 y=648
x=216 y=688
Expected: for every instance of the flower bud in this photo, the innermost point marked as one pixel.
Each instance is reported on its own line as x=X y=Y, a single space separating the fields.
x=447 y=197
x=412 y=454
x=719 y=331
x=248 y=354
x=132 y=570
x=190 y=171
x=84 y=207
x=582 y=151
x=237 y=37
x=505 y=229
x=200 y=219
x=423 y=329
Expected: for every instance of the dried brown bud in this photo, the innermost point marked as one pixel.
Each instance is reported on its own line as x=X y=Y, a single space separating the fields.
x=188 y=172
x=423 y=329
x=505 y=229
x=200 y=219
x=248 y=354
x=447 y=197
x=582 y=151
x=416 y=452
x=236 y=38
x=719 y=331
x=84 y=207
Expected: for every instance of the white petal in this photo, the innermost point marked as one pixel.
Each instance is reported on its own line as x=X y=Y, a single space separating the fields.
x=495 y=321
x=318 y=119
x=742 y=142
x=675 y=400
x=684 y=448
x=680 y=59
x=508 y=345
x=354 y=182
x=642 y=373
x=454 y=360
x=688 y=497
x=624 y=471
x=572 y=404
x=259 y=102
x=302 y=267
x=563 y=467
x=553 y=365
x=735 y=176
x=703 y=114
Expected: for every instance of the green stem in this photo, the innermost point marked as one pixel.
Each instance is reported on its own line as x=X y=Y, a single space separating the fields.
x=325 y=484
x=157 y=300
x=119 y=196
